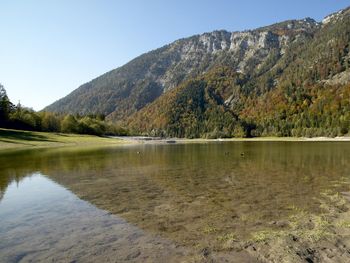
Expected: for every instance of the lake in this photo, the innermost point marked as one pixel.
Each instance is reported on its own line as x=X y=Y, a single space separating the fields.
x=219 y=201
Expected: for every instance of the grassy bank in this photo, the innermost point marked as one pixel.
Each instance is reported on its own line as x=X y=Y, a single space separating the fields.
x=18 y=139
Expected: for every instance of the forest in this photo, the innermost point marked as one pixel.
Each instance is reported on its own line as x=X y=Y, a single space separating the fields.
x=204 y=107
x=22 y=118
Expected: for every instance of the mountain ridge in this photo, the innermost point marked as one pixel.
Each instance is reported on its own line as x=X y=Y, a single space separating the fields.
x=120 y=71
x=285 y=60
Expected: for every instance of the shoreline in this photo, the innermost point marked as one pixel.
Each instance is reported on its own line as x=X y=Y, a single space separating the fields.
x=155 y=140
x=18 y=139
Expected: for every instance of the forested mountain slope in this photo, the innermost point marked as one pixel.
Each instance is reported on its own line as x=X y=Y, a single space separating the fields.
x=127 y=89
x=291 y=78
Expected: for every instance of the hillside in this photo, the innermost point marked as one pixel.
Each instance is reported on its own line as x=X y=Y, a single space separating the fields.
x=290 y=78
x=127 y=89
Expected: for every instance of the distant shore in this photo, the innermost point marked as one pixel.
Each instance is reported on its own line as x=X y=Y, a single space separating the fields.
x=18 y=139
x=153 y=140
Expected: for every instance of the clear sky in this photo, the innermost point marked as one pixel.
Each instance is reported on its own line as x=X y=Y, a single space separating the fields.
x=50 y=47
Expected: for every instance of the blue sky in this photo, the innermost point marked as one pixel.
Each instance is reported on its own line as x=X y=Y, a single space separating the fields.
x=49 y=48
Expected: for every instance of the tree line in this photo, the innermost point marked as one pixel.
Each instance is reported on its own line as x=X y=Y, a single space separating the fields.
x=22 y=118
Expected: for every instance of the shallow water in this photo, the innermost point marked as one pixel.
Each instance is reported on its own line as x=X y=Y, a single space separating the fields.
x=151 y=202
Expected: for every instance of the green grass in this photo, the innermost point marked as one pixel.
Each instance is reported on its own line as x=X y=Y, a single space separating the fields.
x=18 y=139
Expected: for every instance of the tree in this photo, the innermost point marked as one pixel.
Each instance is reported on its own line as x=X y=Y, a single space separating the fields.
x=92 y=126
x=5 y=107
x=50 y=122
x=69 y=124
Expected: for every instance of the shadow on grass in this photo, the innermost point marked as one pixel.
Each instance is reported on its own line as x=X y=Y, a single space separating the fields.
x=13 y=142
x=6 y=135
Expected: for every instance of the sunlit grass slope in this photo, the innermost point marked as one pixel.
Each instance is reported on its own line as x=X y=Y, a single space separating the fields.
x=12 y=139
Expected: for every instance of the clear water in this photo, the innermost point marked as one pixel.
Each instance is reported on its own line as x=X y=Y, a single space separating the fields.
x=155 y=202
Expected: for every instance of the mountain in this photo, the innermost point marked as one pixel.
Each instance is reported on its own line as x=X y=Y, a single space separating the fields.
x=127 y=89
x=290 y=78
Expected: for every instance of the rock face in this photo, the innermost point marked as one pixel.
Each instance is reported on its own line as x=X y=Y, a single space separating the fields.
x=125 y=90
x=332 y=18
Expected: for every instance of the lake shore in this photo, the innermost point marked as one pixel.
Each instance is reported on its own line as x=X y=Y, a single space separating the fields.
x=152 y=140
x=18 y=139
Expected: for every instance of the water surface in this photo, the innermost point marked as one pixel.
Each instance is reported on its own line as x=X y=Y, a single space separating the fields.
x=151 y=202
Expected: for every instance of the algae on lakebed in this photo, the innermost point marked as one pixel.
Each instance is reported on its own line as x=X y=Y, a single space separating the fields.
x=311 y=237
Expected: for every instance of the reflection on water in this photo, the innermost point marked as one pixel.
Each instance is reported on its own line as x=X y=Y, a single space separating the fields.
x=42 y=221
x=190 y=196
